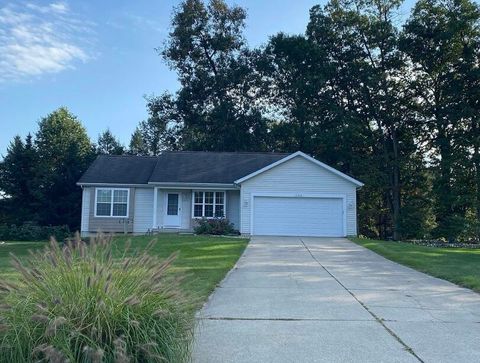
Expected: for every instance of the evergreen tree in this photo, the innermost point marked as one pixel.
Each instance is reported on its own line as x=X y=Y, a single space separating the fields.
x=18 y=172
x=108 y=144
x=64 y=152
x=137 y=144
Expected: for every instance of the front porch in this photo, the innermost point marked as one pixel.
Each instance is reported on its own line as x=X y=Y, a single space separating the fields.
x=176 y=209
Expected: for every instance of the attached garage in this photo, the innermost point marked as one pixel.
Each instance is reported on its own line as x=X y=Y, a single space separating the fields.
x=298 y=216
x=298 y=196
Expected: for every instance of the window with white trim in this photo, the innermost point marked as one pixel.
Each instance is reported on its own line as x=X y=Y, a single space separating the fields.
x=208 y=204
x=111 y=202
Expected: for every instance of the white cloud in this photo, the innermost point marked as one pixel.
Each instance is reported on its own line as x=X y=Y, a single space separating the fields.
x=37 y=40
x=130 y=21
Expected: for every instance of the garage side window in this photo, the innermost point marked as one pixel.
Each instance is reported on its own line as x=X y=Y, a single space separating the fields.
x=208 y=204
x=110 y=202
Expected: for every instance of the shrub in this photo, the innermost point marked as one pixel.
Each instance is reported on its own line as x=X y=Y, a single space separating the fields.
x=30 y=231
x=78 y=304
x=216 y=226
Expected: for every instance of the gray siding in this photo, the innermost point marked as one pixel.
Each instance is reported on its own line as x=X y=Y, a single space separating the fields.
x=143 y=210
x=111 y=224
x=298 y=175
x=233 y=207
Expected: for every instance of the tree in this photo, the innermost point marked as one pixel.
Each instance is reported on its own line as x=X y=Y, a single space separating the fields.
x=365 y=79
x=17 y=177
x=441 y=39
x=137 y=144
x=294 y=74
x=108 y=144
x=213 y=109
x=64 y=152
x=160 y=131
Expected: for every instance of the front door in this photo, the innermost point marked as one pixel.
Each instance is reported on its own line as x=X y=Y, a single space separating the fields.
x=172 y=210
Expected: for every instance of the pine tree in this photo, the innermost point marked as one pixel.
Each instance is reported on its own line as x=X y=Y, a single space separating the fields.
x=107 y=144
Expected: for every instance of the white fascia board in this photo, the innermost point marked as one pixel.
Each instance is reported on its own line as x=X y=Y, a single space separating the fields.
x=215 y=186
x=305 y=156
x=113 y=185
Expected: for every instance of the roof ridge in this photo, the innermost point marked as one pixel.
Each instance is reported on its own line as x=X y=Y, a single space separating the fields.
x=226 y=152
x=129 y=156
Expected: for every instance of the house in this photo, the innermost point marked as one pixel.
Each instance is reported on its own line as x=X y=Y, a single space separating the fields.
x=260 y=193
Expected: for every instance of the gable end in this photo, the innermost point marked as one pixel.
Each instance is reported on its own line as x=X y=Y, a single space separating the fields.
x=306 y=157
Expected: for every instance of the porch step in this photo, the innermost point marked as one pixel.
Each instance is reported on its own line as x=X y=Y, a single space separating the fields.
x=169 y=230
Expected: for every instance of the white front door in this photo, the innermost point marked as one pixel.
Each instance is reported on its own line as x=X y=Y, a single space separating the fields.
x=172 y=210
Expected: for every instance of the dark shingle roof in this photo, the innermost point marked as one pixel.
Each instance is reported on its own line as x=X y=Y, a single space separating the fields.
x=178 y=167
x=125 y=169
x=209 y=167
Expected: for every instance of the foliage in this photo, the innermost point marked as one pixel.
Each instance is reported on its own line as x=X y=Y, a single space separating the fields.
x=77 y=303
x=64 y=152
x=394 y=104
x=137 y=145
x=38 y=177
x=204 y=260
x=215 y=226
x=442 y=41
x=107 y=144
x=158 y=132
x=30 y=231
x=215 y=109
x=17 y=181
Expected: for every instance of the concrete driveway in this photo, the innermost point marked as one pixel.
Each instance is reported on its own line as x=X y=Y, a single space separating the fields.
x=309 y=299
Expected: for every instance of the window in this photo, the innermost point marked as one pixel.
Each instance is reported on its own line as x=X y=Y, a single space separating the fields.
x=111 y=203
x=172 y=204
x=208 y=204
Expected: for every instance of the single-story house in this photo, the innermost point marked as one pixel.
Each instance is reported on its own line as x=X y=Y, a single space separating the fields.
x=260 y=193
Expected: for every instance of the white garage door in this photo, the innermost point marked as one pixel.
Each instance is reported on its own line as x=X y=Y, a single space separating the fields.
x=288 y=216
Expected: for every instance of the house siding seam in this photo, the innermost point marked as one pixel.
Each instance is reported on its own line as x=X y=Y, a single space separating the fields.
x=298 y=176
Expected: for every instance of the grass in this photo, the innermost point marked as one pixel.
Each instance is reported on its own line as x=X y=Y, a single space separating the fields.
x=203 y=259
x=458 y=265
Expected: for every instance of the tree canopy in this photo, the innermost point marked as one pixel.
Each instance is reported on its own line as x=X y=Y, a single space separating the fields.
x=393 y=101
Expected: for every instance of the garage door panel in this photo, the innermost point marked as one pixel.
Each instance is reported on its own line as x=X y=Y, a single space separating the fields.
x=288 y=216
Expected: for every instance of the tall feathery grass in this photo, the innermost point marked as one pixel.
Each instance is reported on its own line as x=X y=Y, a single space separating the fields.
x=77 y=303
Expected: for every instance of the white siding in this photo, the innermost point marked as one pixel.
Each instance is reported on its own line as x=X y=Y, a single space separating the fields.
x=298 y=176
x=84 y=224
x=186 y=207
x=233 y=207
x=160 y=205
x=143 y=210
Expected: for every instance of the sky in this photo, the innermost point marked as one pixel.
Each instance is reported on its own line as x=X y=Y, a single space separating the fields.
x=98 y=58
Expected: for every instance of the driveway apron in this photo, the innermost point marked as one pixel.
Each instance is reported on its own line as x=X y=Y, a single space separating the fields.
x=304 y=299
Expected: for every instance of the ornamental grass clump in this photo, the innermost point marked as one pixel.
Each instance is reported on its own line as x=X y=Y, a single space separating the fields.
x=76 y=303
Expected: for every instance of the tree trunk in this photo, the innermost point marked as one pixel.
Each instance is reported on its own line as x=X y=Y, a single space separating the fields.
x=476 y=168
x=444 y=195
x=396 y=188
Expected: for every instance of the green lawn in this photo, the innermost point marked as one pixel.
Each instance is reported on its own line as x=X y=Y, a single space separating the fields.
x=203 y=259
x=458 y=265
